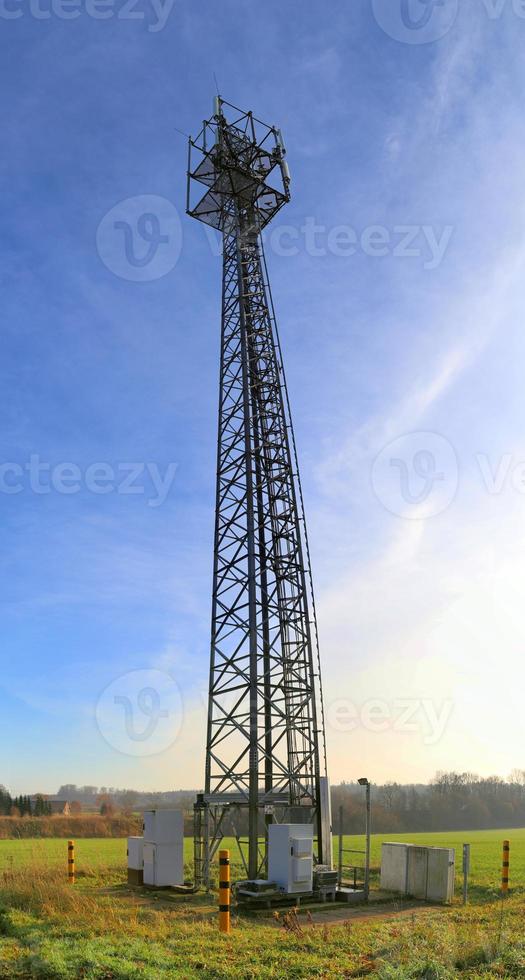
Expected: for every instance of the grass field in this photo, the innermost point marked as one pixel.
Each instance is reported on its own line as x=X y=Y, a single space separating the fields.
x=101 y=930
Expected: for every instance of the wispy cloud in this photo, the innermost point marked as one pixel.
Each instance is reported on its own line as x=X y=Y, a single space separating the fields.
x=95 y=367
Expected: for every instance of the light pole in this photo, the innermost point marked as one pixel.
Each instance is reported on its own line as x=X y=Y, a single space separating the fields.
x=364 y=782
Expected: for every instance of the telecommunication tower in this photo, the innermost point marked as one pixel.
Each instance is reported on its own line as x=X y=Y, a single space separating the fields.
x=265 y=746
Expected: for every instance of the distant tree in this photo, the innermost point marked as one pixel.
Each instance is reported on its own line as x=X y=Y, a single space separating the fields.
x=85 y=794
x=23 y=805
x=128 y=799
x=5 y=801
x=40 y=805
x=75 y=807
x=493 y=786
x=106 y=805
x=68 y=791
x=388 y=795
x=476 y=814
x=90 y=792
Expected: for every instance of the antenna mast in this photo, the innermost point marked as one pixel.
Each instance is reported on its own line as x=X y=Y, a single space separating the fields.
x=265 y=746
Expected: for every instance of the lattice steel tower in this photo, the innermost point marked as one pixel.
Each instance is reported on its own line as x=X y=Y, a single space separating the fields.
x=265 y=749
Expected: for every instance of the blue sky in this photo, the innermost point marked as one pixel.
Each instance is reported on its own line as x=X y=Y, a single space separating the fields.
x=396 y=362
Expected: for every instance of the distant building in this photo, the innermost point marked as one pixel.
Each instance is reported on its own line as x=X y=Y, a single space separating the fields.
x=57 y=806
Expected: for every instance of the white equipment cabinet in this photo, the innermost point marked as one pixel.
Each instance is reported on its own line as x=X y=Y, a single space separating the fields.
x=135 y=860
x=163 y=826
x=394 y=867
x=290 y=856
x=163 y=865
x=422 y=872
x=417 y=869
x=163 y=848
x=441 y=872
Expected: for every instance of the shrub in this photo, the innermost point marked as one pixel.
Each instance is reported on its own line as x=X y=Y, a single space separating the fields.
x=84 y=825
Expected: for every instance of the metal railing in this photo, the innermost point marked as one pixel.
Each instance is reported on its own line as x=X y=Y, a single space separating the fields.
x=348 y=874
x=354 y=869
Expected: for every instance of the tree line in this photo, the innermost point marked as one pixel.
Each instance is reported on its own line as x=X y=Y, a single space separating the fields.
x=452 y=801
x=22 y=805
x=124 y=799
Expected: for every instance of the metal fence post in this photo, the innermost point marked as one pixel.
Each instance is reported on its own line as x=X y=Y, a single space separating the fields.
x=368 y=833
x=505 y=867
x=466 y=871
x=71 y=862
x=224 y=891
x=340 y=863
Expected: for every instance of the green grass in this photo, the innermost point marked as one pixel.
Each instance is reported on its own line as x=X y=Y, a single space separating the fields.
x=92 y=854
x=101 y=930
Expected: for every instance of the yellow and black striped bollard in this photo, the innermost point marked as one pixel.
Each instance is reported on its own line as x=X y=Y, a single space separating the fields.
x=71 y=862
x=224 y=891
x=505 y=867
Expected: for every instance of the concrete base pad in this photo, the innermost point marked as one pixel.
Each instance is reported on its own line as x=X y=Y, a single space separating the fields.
x=352 y=896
